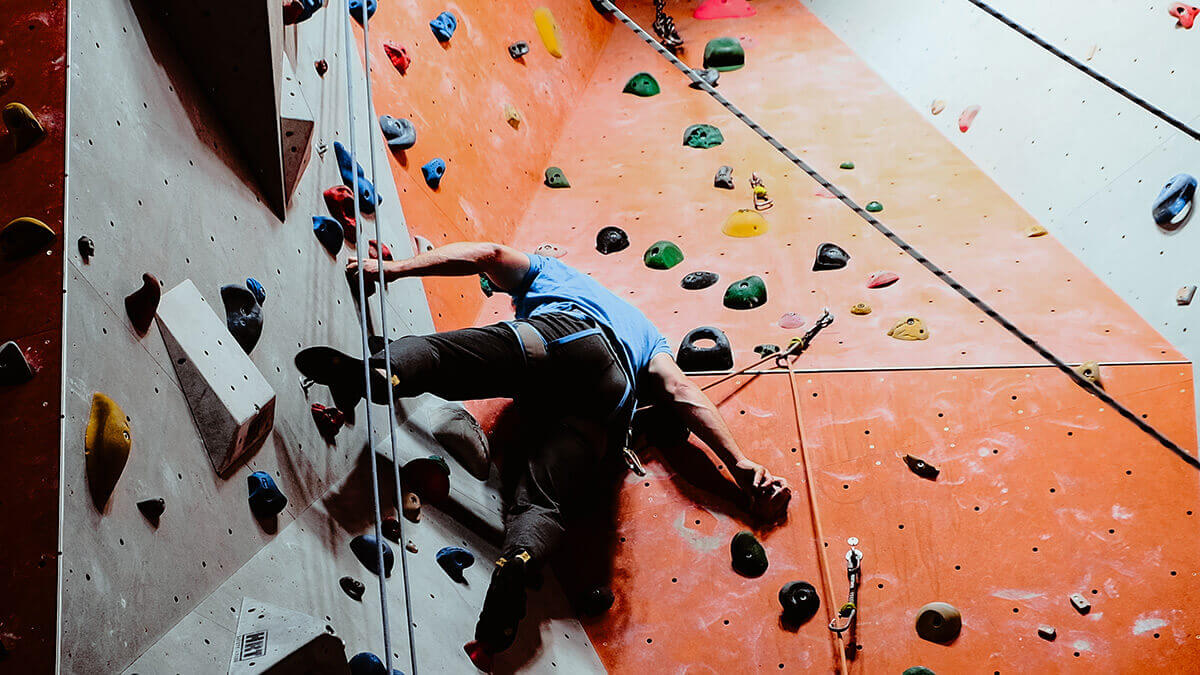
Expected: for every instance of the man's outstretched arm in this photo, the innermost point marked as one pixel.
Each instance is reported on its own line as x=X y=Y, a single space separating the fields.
x=769 y=494
x=503 y=265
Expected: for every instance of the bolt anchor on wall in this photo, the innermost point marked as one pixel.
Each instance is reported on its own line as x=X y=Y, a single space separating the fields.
x=844 y=621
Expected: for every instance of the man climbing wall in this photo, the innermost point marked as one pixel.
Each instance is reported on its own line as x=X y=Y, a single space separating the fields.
x=577 y=355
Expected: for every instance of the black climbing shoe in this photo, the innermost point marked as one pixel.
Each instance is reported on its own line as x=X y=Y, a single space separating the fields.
x=343 y=374
x=504 y=604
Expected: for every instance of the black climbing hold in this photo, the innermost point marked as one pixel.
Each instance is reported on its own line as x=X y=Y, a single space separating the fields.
x=1080 y=603
x=1174 y=202
x=243 y=315
x=938 y=622
x=709 y=75
x=662 y=255
x=364 y=549
x=555 y=178
x=391 y=529
x=642 y=84
x=260 y=293
x=143 y=303
x=265 y=498
x=918 y=670
x=724 y=53
x=353 y=587
x=87 y=248
x=724 y=178
x=329 y=232
x=22 y=237
x=830 y=257
x=399 y=132
x=702 y=136
x=921 y=467
x=433 y=171
x=746 y=293
x=152 y=509
x=454 y=560
x=14 y=369
x=596 y=601
x=766 y=350
x=799 y=601
x=693 y=358
x=518 y=49
x=748 y=556
x=443 y=26
x=356 y=9
x=695 y=281
x=611 y=239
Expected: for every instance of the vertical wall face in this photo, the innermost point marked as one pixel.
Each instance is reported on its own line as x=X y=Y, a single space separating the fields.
x=33 y=73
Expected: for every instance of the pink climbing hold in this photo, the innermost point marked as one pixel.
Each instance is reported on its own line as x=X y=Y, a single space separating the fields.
x=479 y=656
x=398 y=55
x=550 y=250
x=967 y=117
x=373 y=251
x=825 y=193
x=790 y=321
x=1185 y=15
x=882 y=279
x=724 y=9
x=339 y=199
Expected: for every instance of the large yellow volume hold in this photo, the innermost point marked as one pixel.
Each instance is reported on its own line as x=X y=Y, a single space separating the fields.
x=745 y=223
x=548 y=30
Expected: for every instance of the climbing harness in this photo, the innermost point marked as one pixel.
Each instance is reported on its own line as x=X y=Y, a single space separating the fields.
x=699 y=83
x=664 y=27
x=849 y=610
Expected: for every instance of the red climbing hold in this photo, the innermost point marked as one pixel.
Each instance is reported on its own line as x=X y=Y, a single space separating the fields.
x=339 y=199
x=329 y=421
x=322 y=67
x=292 y=11
x=724 y=9
x=967 y=117
x=373 y=251
x=882 y=279
x=1185 y=15
x=143 y=303
x=398 y=55
x=479 y=656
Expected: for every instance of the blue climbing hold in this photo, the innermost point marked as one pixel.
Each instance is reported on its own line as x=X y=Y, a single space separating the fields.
x=443 y=26
x=363 y=547
x=454 y=560
x=1174 y=202
x=434 y=171
x=356 y=9
x=399 y=132
x=329 y=233
x=366 y=663
x=310 y=7
x=367 y=199
x=260 y=293
x=265 y=498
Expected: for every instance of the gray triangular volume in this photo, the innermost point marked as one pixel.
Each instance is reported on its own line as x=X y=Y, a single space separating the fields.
x=280 y=641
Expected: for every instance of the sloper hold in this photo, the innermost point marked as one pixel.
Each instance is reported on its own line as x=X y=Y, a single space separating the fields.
x=106 y=443
x=518 y=49
x=702 y=136
x=830 y=257
x=152 y=509
x=23 y=126
x=744 y=223
x=399 y=132
x=356 y=9
x=243 y=315
x=611 y=239
x=265 y=498
x=709 y=75
x=398 y=55
x=662 y=255
x=14 y=369
x=724 y=9
x=547 y=29
x=938 y=622
x=22 y=237
x=443 y=26
x=921 y=467
x=454 y=560
x=909 y=328
x=724 y=178
x=339 y=199
x=918 y=670
x=328 y=233
x=1174 y=202
x=1090 y=371
x=642 y=84
x=874 y=207
x=882 y=279
x=799 y=601
x=694 y=358
x=433 y=171
x=724 y=54
x=1185 y=15
x=746 y=293
x=364 y=548
x=367 y=197
x=555 y=178
x=749 y=558
x=143 y=303
x=695 y=281
x=352 y=587
x=846 y=166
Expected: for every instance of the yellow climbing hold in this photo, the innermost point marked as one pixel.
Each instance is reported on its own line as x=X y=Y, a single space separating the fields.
x=861 y=309
x=745 y=223
x=512 y=116
x=1036 y=230
x=105 y=447
x=22 y=237
x=909 y=328
x=1090 y=371
x=547 y=29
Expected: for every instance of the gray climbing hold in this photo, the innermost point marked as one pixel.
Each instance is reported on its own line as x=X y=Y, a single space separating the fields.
x=555 y=178
x=399 y=132
x=353 y=587
x=518 y=49
x=1185 y=294
x=830 y=257
x=724 y=178
x=766 y=349
x=1080 y=603
x=243 y=315
x=695 y=281
x=87 y=248
x=709 y=75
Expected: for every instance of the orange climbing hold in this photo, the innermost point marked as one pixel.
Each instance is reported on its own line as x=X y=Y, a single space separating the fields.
x=967 y=117
x=106 y=445
x=745 y=223
x=909 y=328
x=724 y=9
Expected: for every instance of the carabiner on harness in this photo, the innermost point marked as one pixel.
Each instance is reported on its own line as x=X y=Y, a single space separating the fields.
x=845 y=618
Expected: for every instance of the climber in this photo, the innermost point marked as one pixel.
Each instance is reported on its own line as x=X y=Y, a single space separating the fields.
x=580 y=357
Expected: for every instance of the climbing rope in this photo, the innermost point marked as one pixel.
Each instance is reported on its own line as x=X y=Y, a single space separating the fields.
x=359 y=246
x=1148 y=106
x=699 y=83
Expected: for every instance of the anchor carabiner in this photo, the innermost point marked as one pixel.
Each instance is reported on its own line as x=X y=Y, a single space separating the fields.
x=846 y=614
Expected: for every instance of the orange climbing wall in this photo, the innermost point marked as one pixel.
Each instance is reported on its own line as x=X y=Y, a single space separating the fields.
x=455 y=93
x=975 y=401
x=33 y=55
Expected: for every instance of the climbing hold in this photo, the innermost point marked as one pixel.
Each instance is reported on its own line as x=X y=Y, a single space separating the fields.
x=399 y=132
x=745 y=223
x=967 y=117
x=427 y=477
x=454 y=560
x=23 y=127
x=243 y=315
x=1090 y=371
x=143 y=303
x=790 y=321
x=367 y=198
x=766 y=349
x=410 y=547
x=329 y=421
x=938 y=622
x=339 y=199
x=662 y=255
x=6 y=82
x=724 y=53
x=265 y=498
x=423 y=244
x=762 y=202
x=106 y=444
x=555 y=178
x=512 y=116
x=518 y=49
x=22 y=237
x=391 y=529
x=547 y=29
x=695 y=358
x=87 y=248
x=921 y=467
x=260 y=293
x=642 y=84
x=433 y=172
x=611 y=239
x=329 y=233
x=366 y=663
x=152 y=509
x=1185 y=15
x=710 y=76
x=746 y=293
x=882 y=279
x=1080 y=603
x=443 y=26
x=724 y=9
x=702 y=136
x=480 y=657
x=364 y=548
x=375 y=251
x=799 y=601
x=918 y=670
x=748 y=556
x=398 y=55
x=596 y=601
x=14 y=369
x=1036 y=230
x=356 y=9
x=353 y=587
x=909 y=328
x=724 y=178
x=1184 y=295
x=486 y=286
x=322 y=67
x=846 y=165
x=830 y=257
x=824 y=193
x=860 y=309
x=937 y=106
x=1174 y=202
x=1047 y=633
x=410 y=506
x=695 y=281
x=549 y=250
x=874 y=207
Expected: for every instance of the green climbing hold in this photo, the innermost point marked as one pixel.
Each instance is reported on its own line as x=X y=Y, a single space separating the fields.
x=662 y=255
x=746 y=293
x=748 y=556
x=486 y=286
x=555 y=178
x=918 y=670
x=724 y=54
x=642 y=84
x=702 y=136
x=846 y=165
x=874 y=207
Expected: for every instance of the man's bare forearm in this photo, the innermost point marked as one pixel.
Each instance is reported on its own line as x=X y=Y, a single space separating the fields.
x=703 y=419
x=452 y=260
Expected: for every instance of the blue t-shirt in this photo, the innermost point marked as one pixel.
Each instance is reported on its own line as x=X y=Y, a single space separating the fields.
x=552 y=286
